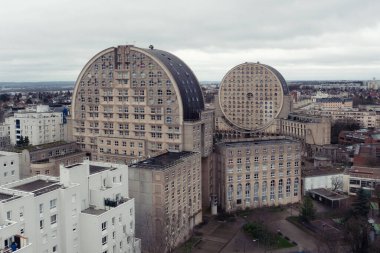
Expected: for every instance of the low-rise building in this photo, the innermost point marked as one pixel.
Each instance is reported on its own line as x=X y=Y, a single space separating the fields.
x=258 y=173
x=167 y=191
x=359 y=136
x=327 y=178
x=5 y=139
x=334 y=103
x=362 y=177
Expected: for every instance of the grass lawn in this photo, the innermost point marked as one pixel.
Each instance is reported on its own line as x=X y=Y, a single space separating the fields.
x=258 y=231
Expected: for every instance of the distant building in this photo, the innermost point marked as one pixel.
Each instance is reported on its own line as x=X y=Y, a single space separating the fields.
x=41 y=125
x=86 y=210
x=365 y=118
x=258 y=173
x=47 y=158
x=359 y=136
x=9 y=167
x=334 y=103
x=367 y=155
x=167 y=192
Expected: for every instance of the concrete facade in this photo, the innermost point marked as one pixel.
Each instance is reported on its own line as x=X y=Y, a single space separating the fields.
x=258 y=173
x=167 y=191
x=131 y=103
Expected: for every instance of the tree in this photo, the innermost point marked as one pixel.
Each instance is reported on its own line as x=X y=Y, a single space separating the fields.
x=356 y=234
x=342 y=125
x=377 y=195
x=337 y=183
x=307 y=210
x=360 y=206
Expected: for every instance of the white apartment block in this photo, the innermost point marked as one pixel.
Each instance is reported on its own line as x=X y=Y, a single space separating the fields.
x=86 y=210
x=40 y=126
x=365 y=118
x=9 y=167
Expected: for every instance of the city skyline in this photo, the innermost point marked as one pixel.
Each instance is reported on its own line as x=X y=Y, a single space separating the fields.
x=44 y=41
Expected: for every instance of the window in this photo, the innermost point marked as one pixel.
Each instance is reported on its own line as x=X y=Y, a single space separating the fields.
x=41 y=224
x=53 y=219
x=55 y=248
x=288 y=184
x=9 y=215
x=104 y=240
x=53 y=203
x=104 y=226
x=41 y=208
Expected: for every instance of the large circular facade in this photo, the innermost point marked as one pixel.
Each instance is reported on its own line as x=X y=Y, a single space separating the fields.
x=251 y=95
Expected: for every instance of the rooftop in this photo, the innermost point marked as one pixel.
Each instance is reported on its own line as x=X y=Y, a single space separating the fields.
x=162 y=161
x=94 y=211
x=313 y=172
x=4 y=196
x=96 y=169
x=38 y=186
x=328 y=194
x=260 y=142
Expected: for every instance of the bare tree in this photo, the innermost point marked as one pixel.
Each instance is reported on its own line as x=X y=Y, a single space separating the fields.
x=164 y=234
x=337 y=183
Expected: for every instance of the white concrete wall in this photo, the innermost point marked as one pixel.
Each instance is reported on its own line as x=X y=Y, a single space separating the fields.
x=322 y=181
x=9 y=167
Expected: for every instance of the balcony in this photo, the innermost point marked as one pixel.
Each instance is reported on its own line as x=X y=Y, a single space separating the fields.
x=114 y=202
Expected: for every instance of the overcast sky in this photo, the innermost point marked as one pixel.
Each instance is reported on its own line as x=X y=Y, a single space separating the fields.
x=51 y=40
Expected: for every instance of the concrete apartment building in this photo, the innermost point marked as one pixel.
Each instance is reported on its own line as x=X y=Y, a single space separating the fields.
x=313 y=130
x=9 y=167
x=47 y=158
x=44 y=214
x=258 y=173
x=252 y=96
x=41 y=125
x=167 y=191
x=131 y=103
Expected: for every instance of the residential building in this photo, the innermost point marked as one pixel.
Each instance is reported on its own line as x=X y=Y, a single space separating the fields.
x=47 y=158
x=131 y=103
x=258 y=173
x=334 y=103
x=359 y=136
x=365 y=118
x=9 y=167
x=167 y=192
x=40 y=125
x=313 y=130
x=72 y=214
x=251 y=97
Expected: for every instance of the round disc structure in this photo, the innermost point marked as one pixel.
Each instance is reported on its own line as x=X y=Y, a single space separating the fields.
x=251 y=95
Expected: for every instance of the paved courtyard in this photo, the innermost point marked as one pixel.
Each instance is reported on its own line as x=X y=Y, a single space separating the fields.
x=228 y=237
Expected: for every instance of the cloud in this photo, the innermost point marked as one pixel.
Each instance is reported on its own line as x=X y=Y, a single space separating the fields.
x=53 y=39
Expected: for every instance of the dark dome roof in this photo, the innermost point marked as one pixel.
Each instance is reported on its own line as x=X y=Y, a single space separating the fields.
x=280 y=77
x=191 y=93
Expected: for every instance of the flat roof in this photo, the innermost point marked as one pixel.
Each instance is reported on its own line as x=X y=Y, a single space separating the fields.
x=260 y=142
x=164 y=160
x=4 y=196
x=94 y=211
x=330 y=195
x=38 y=186
x=96 y=169
x=313 y=172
